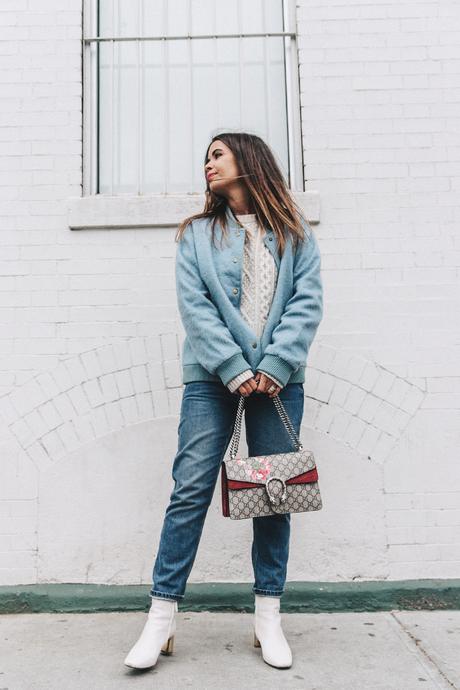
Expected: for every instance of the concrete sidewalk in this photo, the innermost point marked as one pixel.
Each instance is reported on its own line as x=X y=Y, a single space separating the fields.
x=389 y=650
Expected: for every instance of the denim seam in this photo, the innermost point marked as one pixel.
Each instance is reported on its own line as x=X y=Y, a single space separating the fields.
x=165 y=595
x=268 y=592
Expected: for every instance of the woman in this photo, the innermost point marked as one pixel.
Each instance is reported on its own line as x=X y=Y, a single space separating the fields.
x=250 y=298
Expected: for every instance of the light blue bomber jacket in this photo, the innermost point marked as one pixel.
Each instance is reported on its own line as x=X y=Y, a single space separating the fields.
x=219 y=344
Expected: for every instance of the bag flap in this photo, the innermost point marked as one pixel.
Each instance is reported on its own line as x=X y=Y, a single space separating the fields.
x=260 y=468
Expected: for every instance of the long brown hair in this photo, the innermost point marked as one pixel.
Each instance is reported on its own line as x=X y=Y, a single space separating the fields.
x=273 y=202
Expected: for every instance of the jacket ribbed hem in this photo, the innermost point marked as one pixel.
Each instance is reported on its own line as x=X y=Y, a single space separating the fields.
x=195 y=372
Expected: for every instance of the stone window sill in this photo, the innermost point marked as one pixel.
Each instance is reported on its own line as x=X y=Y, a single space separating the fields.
x=155 y=210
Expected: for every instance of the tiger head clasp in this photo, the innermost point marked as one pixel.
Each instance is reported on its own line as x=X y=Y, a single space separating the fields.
x=276 y=500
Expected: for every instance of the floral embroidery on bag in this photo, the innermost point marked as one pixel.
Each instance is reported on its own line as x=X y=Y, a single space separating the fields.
x=258 y=468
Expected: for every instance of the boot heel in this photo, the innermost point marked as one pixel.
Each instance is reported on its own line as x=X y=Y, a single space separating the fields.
x=256 y=641
x=168 y=647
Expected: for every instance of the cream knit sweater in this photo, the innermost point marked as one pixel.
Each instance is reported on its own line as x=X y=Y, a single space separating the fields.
x=258 y=285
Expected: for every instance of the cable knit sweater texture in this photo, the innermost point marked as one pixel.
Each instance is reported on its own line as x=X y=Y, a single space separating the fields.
x=259 y=276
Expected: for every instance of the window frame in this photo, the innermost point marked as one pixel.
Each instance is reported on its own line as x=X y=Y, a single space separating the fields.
x=90 y=46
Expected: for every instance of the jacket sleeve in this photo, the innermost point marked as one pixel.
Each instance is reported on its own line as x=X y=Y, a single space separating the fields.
x=292 y=337
x=210 y=339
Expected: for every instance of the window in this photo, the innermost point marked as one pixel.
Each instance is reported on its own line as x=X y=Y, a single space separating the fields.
x=161 y=78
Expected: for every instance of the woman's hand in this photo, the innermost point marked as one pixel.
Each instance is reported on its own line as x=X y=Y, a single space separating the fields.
x=248 y=387
x=264 y=383
x=260 y=383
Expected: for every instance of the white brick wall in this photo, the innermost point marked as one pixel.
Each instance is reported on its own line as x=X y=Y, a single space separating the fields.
x=90 y=336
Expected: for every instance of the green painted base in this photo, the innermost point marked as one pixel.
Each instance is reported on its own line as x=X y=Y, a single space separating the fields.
x=299 y=597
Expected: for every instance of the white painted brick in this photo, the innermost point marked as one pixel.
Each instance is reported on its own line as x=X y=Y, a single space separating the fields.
x=383 y=447
x=169 y=346
x=449 y=552
x=340 y=424
x=64 y=406
x=130 y=411
x=325 y=418
x=354 y=431
x=140 y=379
x=412 y=400
x=68 y=436
x=398 y=500
x=7 y=410
x=48 y=385
x=138 y=351
x=36 y=423
x=323 y=357
x=84 y=428
x=160 y=403
x=91 y=364
x=79 y=400
x=174 y=400
x=414 y=552
x=445 y=500
x=369 y=407
x=145 y=406
x=109 y=388
x=369 y=376
x=53 y=445
x=383 y=384
x=114 y=415
x=124 y=383
x=62 y=377
x=354 y=400
x=442 y=534
x=311 y=380
x=383 y=417
x=93 y=392
x=122 y=354
x=324 y=388
x=76 y=370
x=368 y=440
x=156 y=376
x=406 y=535
x=99 y=421
x=29 y=397
x=444 y=517
x=340 y=392
x=18 y=559
x=23 y=433
x=107 y=359
x=173 y=373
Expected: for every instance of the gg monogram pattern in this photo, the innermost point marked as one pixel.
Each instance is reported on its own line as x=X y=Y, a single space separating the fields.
x=272 y=469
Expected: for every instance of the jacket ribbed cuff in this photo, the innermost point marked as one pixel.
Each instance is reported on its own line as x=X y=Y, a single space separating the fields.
x=232 y=367
x=281 y=370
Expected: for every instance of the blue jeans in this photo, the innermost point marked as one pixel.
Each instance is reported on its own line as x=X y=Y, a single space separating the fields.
x=205 y=430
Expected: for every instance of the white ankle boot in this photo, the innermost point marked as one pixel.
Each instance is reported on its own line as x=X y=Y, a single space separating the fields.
x=157 y=635
x=268 y=633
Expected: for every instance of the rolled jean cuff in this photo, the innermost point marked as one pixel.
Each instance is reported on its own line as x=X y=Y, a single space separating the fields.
x=165 y=595
x=267 y=592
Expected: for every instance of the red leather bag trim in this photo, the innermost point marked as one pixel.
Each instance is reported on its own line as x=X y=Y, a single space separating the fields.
x=305 y=478
x=224 y=492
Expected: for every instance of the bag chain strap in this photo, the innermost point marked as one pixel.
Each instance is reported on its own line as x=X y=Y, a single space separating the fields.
x=284 y=418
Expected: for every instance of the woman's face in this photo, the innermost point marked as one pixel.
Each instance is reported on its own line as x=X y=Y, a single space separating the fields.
x=221 y=169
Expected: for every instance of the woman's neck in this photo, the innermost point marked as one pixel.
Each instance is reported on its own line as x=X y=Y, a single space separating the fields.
x=240 y=202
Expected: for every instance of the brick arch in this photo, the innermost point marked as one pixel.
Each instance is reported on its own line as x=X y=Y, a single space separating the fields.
x=358 y=402
x=108 y=388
